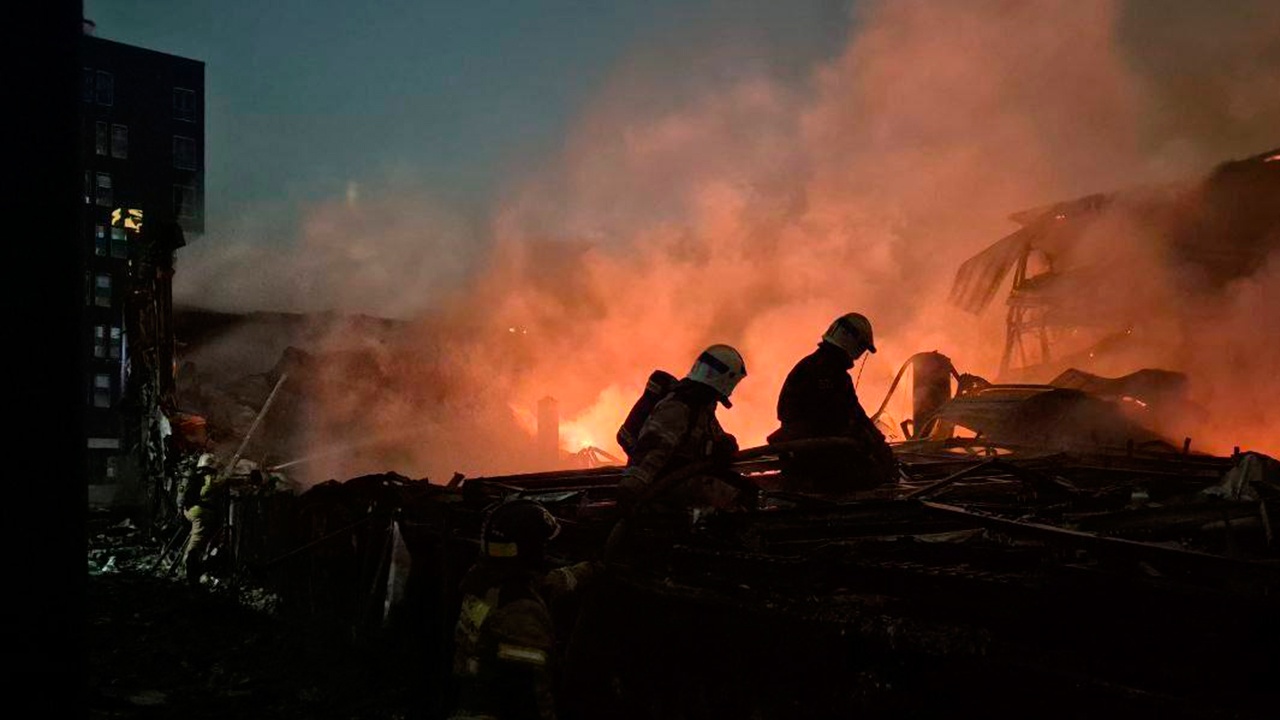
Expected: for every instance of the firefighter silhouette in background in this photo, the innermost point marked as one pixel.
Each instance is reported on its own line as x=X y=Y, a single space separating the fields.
x=818 y=401
x=504 y=643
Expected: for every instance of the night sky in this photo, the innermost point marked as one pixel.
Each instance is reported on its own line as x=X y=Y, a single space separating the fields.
x=305 y=98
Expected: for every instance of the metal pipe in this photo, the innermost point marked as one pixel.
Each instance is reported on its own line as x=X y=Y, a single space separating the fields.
x=930 y=388
x=953 y=477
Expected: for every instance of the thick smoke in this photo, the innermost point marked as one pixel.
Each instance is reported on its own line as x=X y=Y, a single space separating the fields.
x=388 y=251
x=758 y=211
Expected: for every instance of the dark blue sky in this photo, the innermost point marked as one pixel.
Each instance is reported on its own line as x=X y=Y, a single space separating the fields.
x=303 y=97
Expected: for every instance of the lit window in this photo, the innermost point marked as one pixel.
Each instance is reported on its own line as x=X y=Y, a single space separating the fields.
x=117 y=343
x=100 y=240
x=102 y=291
x=184 y=201
x=100 y=341
x=88 y=187
x=102 y=390
x=184 y=104
x=184 y=153
x=104 y=195
x=128 y=218
x=119 y=243
x=87 y=91
x=100 y=138
x=105 y=86
x=119 y=141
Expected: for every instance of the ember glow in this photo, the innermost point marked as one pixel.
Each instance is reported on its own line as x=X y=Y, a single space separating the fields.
x=596 y=426
x=758 y=211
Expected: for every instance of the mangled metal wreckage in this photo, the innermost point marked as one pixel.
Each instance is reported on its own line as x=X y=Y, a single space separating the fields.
x=1047 y=550
x=1065 y=559
x=1072 y=260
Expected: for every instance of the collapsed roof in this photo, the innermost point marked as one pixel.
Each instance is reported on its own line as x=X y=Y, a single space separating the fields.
x=1224 y=225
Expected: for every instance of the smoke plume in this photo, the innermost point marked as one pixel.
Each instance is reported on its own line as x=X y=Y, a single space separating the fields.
x=755 y=211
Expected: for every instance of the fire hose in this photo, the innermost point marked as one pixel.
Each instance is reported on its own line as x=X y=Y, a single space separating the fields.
x=664 y=483
x=593 y=604
x=896 y=378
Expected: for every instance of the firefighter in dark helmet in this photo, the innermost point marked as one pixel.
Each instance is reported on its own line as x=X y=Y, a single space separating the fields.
x=504 y=641
x=818 y=401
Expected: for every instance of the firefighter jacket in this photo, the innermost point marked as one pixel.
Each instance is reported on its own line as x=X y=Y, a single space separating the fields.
x=818 y=400
x=504 y=642
x=681 y=430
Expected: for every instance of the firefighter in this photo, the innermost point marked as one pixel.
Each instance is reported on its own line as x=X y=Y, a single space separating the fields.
x=682 y=430
x=201 y=497
x=818 y=401
x=504 y=640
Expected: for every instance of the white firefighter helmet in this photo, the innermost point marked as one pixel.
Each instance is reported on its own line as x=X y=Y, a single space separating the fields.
x=721 y=368
x=207 y=460
x=851 y=333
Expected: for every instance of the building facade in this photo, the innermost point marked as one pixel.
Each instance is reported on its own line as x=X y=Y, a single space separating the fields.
x=142 y=150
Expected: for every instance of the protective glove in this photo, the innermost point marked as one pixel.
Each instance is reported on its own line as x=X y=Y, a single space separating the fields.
x=723 y=449
x=630 y=489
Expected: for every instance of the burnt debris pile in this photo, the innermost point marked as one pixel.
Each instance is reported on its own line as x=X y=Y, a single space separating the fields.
x=991 y=576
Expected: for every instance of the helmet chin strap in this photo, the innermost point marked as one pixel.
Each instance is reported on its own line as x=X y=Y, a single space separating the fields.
x=861 y=365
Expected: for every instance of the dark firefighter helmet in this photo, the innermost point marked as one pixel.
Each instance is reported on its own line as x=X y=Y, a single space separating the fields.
x=518 y=529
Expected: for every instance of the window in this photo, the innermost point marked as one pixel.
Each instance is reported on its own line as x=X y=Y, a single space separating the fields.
x=119 y=141
x=102 y=291
x=105 y=88
x=113 y=462
x=104 y=196
x=100 y=240
x=117 y=343
x=184 y=153
x=101 y=139
x=184 y=201
x=119 y=243
x=108 y=342
x=128 y=218
x=102 y=390
x=88 y=187
x=184 y=104
x=87 y=92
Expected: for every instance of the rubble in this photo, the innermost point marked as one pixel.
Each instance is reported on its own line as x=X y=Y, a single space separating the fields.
x=943 y=582
x=1021 y=538
x=157 y=647
x=1047 y=546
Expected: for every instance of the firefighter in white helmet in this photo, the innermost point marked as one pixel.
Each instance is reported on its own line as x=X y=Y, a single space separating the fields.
x=818 y=401
x=682 y=430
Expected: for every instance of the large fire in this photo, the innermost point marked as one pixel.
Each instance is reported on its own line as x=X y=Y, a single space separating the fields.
x=751 y=419
x=758 y=211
